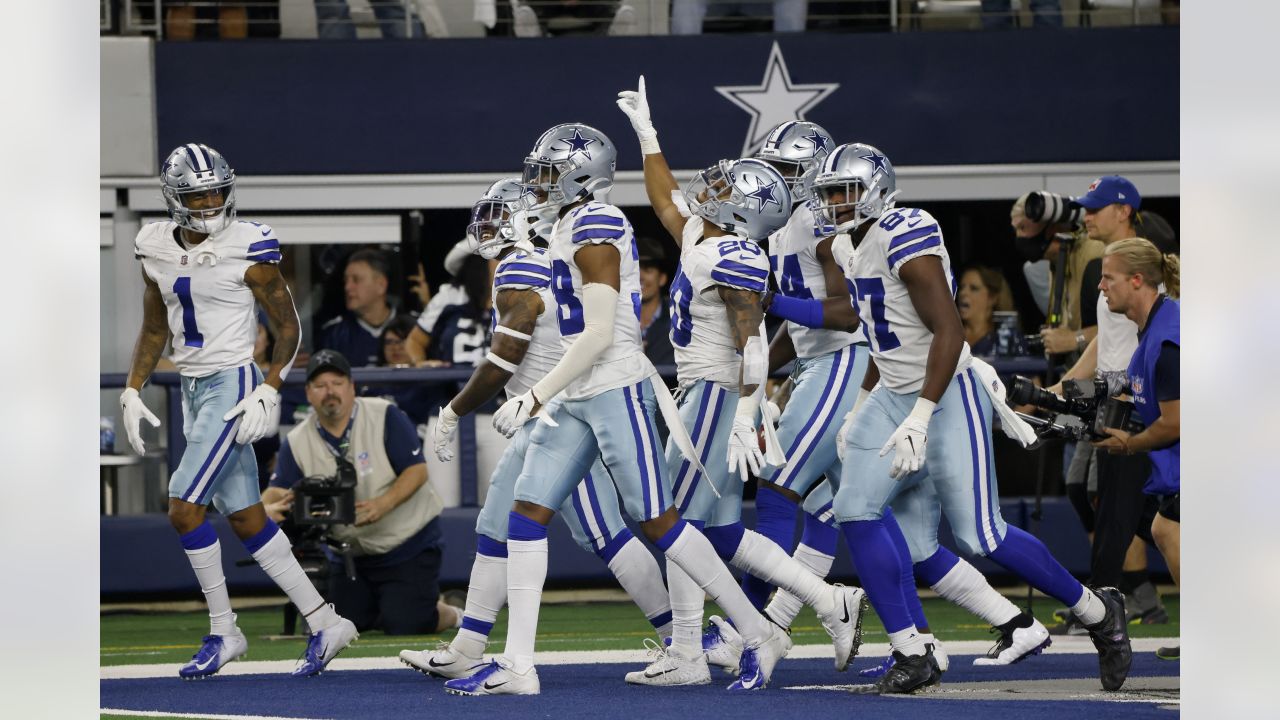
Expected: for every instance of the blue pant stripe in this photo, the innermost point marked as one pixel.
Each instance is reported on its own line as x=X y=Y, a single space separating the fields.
x=823 y=415
x=646 y=472
x=706 y=448
x=978 y=511
x=684 y=478
x=576 y=499
x=987 y=460
x=596 y=511
x=656 y=457
x=203 y=480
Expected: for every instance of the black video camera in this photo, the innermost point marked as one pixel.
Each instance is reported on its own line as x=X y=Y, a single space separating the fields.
x=1083 y=412
x=327 y=500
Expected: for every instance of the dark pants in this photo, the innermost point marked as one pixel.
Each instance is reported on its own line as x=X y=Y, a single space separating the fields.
x=1123 y=511
x=400 y=599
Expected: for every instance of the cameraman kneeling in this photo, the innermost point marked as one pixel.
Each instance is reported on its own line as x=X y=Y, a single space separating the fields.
x=1132 y=273
x=395 y=539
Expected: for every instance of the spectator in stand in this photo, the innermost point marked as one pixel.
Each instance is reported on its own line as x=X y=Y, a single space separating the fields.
x=357 y=333
x=687 y=15
x=981 y=293
x=417 y=400
x=655 y=311
x=454 y=329
x=535 y=18
x=1000 y=15
x=333 y=20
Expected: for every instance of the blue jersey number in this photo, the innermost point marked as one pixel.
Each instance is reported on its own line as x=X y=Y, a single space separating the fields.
x=570 y=314
x=681 y=318
x=746 y=247
x=191 y=336
x=872 y=289
x=792 y=281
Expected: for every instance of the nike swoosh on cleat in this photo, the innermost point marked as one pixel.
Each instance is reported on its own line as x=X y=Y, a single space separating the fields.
x=487 y=686
x=654 y=675
x=432 y=662
x=845 y=619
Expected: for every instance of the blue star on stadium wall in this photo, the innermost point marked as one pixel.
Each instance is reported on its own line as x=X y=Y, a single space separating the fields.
x=775 y=100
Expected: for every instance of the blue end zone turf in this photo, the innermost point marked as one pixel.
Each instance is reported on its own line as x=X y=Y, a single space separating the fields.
x=567 y=690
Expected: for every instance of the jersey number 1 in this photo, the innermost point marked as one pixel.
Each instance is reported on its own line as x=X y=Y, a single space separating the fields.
x=191 y=336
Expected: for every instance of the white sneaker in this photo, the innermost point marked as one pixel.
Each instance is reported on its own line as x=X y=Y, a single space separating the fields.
x=940 y=657
x=722 y=645
x=844 y=624
x=1017 y=645
x=214 y=653
x=445 y=661
x=670 y=668
x=496 y=678
x=324 y=646
x=525 y=21
x=758 y=662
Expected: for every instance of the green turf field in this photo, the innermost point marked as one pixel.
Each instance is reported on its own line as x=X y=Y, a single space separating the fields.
x=136 y=638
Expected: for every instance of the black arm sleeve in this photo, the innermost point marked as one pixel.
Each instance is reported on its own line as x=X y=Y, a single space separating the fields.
x=1089 y=280
x=1168 y=386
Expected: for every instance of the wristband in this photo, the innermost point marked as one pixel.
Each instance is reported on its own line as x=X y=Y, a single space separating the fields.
x=649 y=142
x=802 y=312
x=507 y=365
x=923 y=410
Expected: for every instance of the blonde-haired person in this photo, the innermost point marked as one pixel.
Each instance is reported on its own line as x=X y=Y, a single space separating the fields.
x=1143 y=283
x=982 y=292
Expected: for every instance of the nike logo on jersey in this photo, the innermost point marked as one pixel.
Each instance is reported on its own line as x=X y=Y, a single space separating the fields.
x=914 y=223
x=487 y=686
x=416 y=452
x=266 y=232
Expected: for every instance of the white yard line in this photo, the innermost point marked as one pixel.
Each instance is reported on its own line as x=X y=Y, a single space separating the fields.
x=1061 y=645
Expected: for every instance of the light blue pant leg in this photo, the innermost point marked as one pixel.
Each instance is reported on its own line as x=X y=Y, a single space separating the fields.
x=865 y=487
x=214 y=466
x=918 y=513
x=818 y=502
x=825 y=390
x=492 y=520
x=707 y=413
x=592 y=511
x=557 y=457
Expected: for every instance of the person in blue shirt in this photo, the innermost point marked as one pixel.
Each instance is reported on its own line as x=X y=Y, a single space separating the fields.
x=1143 y=283
x=357 y=333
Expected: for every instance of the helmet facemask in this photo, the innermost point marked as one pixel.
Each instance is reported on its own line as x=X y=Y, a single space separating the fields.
x=490 y=228
x=207 y=209
x=838 y=198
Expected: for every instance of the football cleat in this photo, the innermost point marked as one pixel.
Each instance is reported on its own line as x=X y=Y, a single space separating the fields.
x=844 y=625
x=444 y=662
x=1070 y=625
x=215 y=652
x=940 y=658
x=496 y=678
x=670 y=668
x=722 y=645
x=1169 y=653
x=756 y=666
x=909 y=674
x=1111 y=638
x=879 y=670
x=1017 y=643
x=323 y=646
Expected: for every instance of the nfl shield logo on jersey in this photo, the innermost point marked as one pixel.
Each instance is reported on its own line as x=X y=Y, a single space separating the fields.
x=1137 y=384
x=184 y=261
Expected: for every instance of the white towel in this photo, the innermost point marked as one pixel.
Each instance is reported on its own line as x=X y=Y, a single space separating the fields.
x=1014 y=426
x=487 y=13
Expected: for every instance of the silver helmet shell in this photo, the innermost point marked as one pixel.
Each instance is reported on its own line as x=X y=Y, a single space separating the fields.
x=199 y=188
x=748 y=198
x=854 y=177
x=797 y=149
x=490 y=229
x=568 y=163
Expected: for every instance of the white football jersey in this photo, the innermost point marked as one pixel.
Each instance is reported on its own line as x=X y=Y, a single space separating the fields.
x=793 y=257
x=523 y=270
x=704 y=344
x=212 y=312
x=899 y=340
x=624 y=363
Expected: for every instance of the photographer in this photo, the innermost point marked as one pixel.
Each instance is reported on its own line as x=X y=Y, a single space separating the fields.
x=394 y=536
x=1133 y=271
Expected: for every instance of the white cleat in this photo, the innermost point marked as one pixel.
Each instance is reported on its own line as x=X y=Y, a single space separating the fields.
x=1017 y=644
x=214 y=653
x=443 y=662
x=324 y=645
x=940 y=657
x=669 y=668
x=844 y=624
x=722 y=645
x=496 y=678
x=758 y=662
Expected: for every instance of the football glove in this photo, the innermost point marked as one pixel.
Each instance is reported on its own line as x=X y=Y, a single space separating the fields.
x=517 y=411
x=442 y=435
x=635 y=104
x=745 y=457
x=908 y=442
x=134 y=411
x=259 y=414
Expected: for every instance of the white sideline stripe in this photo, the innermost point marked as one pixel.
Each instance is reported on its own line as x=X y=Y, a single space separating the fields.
x=201 y=716
x=1061 y=646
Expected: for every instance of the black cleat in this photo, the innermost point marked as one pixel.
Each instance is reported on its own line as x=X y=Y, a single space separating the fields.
x=1111 y=638
x=1169 y=653
x=910 y=673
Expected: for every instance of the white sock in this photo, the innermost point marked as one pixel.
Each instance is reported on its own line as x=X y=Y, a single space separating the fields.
x=207 y=562
x=526 y=574
x=686 y=611
x=964 y=586
x=277 y=560
x=486 y=594
x=763 y=558
x=907 y=641
x=1090 y=609
x=638 y=573
x=785 y=607
x=695 y=555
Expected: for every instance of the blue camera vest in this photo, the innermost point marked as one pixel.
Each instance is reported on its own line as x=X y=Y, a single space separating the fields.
x=1162 y=326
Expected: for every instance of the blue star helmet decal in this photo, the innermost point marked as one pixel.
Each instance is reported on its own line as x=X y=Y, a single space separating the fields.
x=876 y=159
x=764 y=193
x=819 y=142
x=577 y=143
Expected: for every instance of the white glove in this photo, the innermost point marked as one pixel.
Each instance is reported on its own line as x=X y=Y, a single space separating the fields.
x=744 y=448
x=135 y=411
x=908 y=441
x=515 y=412
x=442 y=435
x=260 y=414
x=848 y=421
x=635 y=104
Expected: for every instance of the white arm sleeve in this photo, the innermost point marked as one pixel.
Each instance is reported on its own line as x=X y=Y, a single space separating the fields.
x=599 y=305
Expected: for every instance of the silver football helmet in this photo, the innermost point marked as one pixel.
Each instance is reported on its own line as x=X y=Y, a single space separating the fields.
x=491 y=229
x=797 y=149
x=856 y=183
x=748 y=198
x=199 y=188
x=568 y=163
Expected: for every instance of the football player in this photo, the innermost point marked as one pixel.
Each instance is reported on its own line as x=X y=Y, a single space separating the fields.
x=924 y=380
x=598 y=401
x=526 y=345
x=203 y=272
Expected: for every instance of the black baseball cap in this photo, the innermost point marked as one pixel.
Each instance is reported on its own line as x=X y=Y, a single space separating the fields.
x=327 y=360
